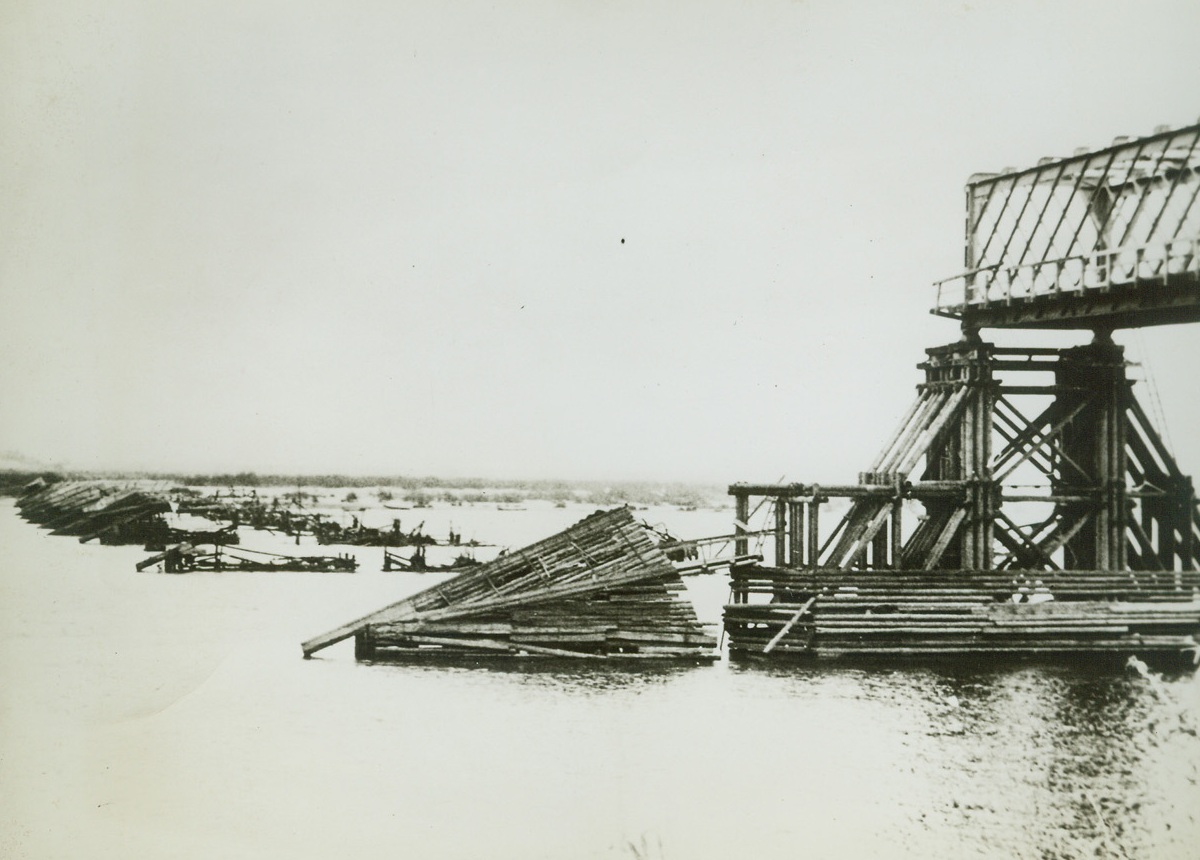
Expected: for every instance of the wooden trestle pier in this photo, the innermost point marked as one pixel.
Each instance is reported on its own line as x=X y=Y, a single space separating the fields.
x=1025 y=504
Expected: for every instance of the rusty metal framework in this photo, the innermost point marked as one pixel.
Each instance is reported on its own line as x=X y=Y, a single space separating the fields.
x=1107 y=238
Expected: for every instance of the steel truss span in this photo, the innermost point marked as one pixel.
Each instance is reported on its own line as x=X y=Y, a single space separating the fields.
x=1108 y=238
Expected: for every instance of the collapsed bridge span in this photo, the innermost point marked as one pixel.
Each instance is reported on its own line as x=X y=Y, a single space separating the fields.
x=601 y=590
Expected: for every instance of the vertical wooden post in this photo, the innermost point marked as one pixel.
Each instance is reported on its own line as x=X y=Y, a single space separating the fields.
x=985 y=405
x=741 y=513
x=1118 y=509
x=796 y=514
x=780 y=532
x=813 y=559
x=897 y=537
x=1102 y=434
x=879 y=548
x=364 y=645
x=1167 y=519
x=1187 y=546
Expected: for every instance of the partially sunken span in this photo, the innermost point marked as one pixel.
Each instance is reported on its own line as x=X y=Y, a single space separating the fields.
x=116 y=512
x=601 y=590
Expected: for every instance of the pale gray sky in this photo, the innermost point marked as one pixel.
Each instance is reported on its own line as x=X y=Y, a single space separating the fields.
x=387 y=236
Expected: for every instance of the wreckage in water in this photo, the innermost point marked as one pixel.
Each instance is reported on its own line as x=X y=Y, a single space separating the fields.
x=114 y=512
x=601 y=590
x=184 y=558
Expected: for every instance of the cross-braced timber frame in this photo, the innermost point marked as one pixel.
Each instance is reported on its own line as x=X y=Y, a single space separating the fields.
x=1013 y=466
x=1109 y=492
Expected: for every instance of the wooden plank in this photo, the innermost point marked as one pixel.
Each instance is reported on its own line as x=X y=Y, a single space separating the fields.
x=697 y=638
x=770 y=646
x=492 y=645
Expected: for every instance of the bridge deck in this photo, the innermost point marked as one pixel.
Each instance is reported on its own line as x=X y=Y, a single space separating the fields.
x=1102 y=239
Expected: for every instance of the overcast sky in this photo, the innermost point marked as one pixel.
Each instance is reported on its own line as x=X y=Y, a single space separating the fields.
x=660 y=240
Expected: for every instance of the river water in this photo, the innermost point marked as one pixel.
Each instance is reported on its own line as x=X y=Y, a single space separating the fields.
x=153 y=716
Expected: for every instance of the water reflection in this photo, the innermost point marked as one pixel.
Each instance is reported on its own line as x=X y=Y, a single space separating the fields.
x=565 y=676
x=1030 y=760
x=1073 y=759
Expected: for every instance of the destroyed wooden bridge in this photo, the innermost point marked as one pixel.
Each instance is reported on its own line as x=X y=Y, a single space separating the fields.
x=1025 y=504
x=601 y=590
x=184 y=558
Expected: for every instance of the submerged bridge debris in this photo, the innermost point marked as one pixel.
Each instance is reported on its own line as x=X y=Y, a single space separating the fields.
x=288 y=515
x=600 y=590
x=417 y=562
x=113 y=512
x=184 y=558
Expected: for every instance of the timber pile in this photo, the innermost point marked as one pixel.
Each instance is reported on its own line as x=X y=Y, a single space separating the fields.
x=890 y=613
x=113 y=512
x=600 y=590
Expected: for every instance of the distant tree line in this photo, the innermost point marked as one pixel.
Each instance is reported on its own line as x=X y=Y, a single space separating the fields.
x=424 y=489
x=12 y=481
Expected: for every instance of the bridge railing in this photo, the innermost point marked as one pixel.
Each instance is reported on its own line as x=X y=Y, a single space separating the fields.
x=1156 y=263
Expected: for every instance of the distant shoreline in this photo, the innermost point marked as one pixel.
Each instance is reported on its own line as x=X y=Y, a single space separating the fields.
x=423 y=488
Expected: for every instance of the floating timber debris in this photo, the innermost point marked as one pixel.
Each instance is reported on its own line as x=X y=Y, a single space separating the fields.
x=159 y=539
x=418 y=563
x=287 y=515
x=356 y=534
x=600 y=590
x=115 y=513
x=184 y=557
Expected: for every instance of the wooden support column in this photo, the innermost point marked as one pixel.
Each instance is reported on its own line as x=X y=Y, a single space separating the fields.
x=962 y=449
x=741 y=513
x=879 y=549
x=1095 y=440
x=813 y=556
x=780 y=532
x=896 y=534
x=1187 y=544
x=364 y=644
x=1115 y=488
x=796 y=515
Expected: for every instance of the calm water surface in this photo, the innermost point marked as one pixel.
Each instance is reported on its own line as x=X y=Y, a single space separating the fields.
x=144 y=715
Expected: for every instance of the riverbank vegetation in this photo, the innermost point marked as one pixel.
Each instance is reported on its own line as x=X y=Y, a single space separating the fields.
x=420 y=491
